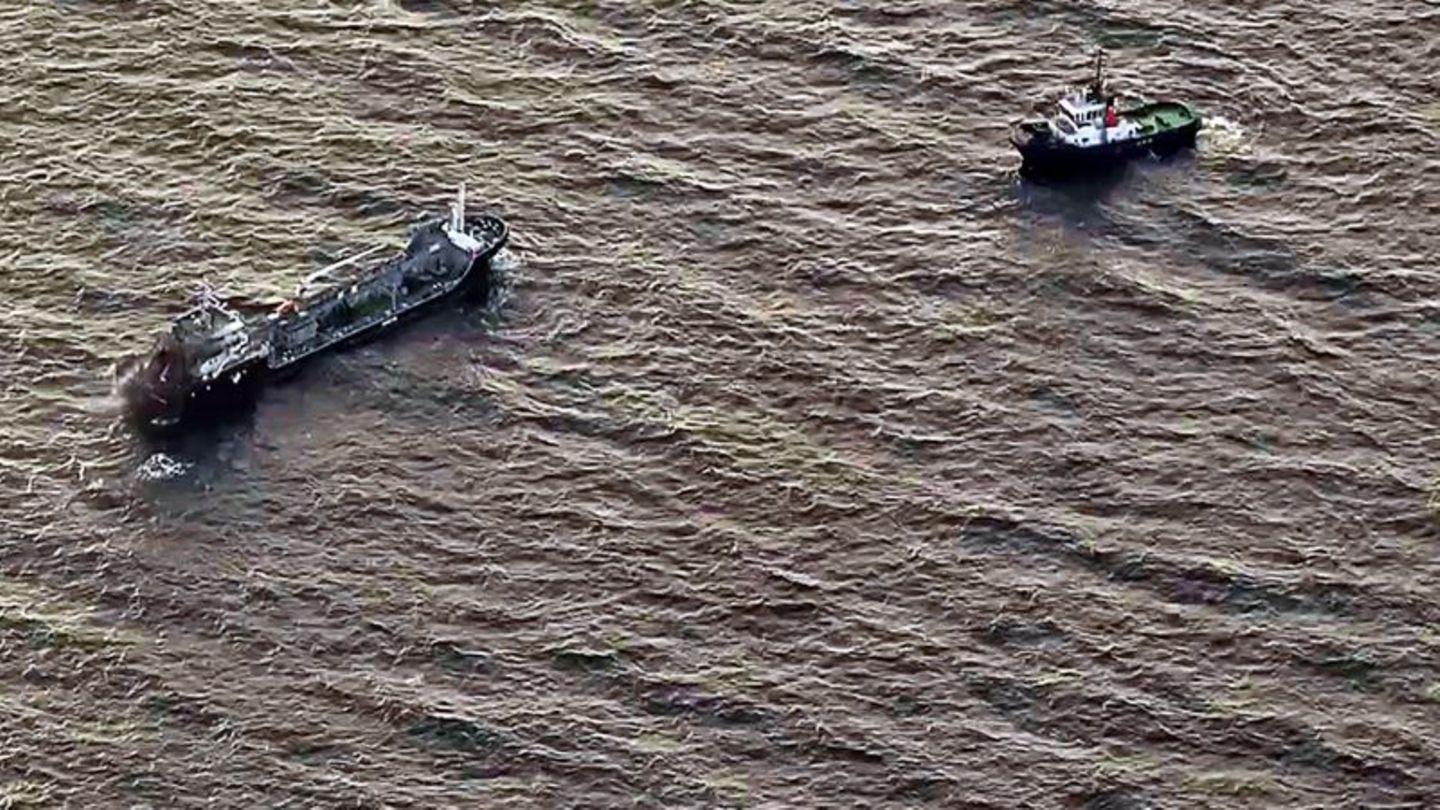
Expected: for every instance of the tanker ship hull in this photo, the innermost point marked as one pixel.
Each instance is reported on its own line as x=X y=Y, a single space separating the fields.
x=215 y=362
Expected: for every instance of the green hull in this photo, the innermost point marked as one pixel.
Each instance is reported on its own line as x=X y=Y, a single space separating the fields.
x=1162 y=116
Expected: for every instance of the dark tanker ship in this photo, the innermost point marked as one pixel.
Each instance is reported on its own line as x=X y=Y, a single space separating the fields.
x=214 y=357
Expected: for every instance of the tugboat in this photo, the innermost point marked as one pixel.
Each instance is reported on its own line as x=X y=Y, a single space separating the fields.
x=1091 y=133
x=214 y=357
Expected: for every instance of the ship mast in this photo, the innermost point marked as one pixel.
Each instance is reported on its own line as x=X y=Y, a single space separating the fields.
x=1098 y=87
x=457 y=212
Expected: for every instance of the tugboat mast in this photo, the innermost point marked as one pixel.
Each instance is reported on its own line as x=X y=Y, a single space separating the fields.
x=1098 y=86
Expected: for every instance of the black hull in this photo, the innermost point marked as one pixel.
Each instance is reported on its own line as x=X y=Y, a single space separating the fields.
x=474 y=285
x=1046 y=157
x=159 y=409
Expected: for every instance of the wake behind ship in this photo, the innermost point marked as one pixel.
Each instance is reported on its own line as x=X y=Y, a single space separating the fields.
x=213 y=357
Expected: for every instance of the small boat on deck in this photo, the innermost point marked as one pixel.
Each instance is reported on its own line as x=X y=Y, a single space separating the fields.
x=218 y=354
x=1093 y=132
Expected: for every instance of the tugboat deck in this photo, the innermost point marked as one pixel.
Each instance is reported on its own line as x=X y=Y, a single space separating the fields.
x=1160 y=116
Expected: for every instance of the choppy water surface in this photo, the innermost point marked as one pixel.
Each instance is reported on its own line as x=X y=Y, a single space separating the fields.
x=811 y=459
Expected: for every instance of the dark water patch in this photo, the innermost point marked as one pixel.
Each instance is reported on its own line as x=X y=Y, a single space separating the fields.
x=709 y=708
x=712 y=229
x=291 y=186
x=879 y=76
x=354 y=199
x=782 y=609
x=583 y=660
x=822 y=173
x=838 y=275
x=1020 y=633
x=367 y=201
x=1241 y=592
x=1009 y=697
x=124 y=9
x=37 y=633
x=1103 y=26
x=109 y=496
x=255 y=58
x=460 y=660
x=1077 y=202
x=579 y=425
x=455 y=733
x=1329 y=284
x=629 y=186
x=1358 y=668
x=1127 y=294
x=1112 y=799
x=682 y=189
x=925 y=787
x=902 y=14
x=231 y=49
x=674 y=599
x=1053 y=399
x=313 y=750
x=845 y=752
x=1293 y=743
x=1226 y=248
x=1056 y=712
x=437 y=8
x=907 y=705
x=110 y=301
x=116 y=216
x=380 y=383
x=1173 y=580
x=1085 y=717
x=190 y=712
x=1265 y=175
x=41 y=350
x=120 y=217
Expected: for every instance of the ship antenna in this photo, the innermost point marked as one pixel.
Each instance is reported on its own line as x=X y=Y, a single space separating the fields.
x=1099 y=86
x=459 y=224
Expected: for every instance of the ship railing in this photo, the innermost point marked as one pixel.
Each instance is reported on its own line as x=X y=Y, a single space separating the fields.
x=324 y=339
